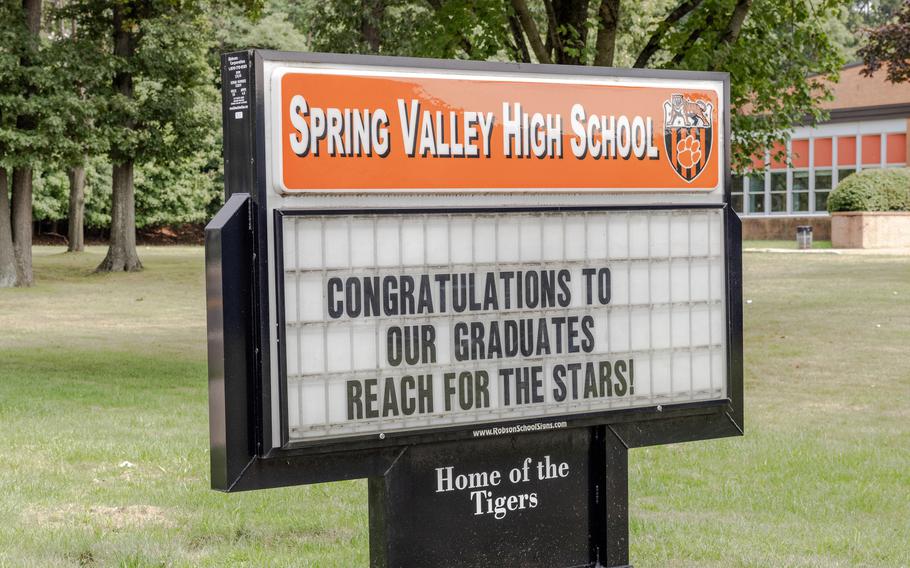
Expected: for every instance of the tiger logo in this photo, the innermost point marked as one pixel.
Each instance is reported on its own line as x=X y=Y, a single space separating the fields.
x=688 y=134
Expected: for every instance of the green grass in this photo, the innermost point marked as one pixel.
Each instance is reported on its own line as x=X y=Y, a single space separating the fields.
x=784 y=244
x=821 y=477
x=96 y=370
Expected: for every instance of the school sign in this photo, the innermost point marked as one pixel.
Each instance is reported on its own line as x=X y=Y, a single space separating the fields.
x=476 y=285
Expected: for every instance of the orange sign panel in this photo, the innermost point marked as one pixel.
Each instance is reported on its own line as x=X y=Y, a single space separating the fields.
x=341 y=132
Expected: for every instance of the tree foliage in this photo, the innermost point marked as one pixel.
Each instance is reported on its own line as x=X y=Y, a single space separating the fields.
x=26 y=80
x=175 y=134
x=777 y=52
x=845 y=26
x=154 y=107
x=779 y=68
x=888 y=45
x=169 y=111
x=434 y=28
x=75 y=61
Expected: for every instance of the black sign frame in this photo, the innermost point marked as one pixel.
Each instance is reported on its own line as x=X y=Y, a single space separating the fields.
x=237 y=281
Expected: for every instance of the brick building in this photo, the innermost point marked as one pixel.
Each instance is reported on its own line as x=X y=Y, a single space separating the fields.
x=868 y=127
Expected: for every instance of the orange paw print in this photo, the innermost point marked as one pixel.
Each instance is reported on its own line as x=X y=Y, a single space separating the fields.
x=688 y=151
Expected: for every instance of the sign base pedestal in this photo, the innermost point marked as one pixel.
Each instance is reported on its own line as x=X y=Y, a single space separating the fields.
x=556 y=498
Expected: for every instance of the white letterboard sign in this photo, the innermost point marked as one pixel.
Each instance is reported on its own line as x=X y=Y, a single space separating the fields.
x=397 y=322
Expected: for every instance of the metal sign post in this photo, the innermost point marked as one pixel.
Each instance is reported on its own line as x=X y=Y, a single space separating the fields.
x=475 y=284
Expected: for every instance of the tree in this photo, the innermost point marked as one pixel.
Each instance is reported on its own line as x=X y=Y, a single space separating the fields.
x=771 y=48
x=154 y=106
x=889 y=45
x=776 y=51
x=245 y=25
x=22 y=173
x=73 y=59
x=9 y=275
x=22 y=134
x=431 y=28
x=845 y=26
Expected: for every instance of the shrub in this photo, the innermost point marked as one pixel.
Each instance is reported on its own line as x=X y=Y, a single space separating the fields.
x=873 y=190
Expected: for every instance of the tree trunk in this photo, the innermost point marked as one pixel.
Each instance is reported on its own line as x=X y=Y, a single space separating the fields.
x=32 y=9
x=572 y=32
x=121 y=254
x=663 y=27
x=9 y=276
x=75 y=231
x=22 y=176
x=530 y=28
x=731 y=34
x=22 y=224
x=370 y=20
x=521 y=46
x=608 y=17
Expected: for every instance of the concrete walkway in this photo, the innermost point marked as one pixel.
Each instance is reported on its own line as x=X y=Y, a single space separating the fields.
x=881 y=251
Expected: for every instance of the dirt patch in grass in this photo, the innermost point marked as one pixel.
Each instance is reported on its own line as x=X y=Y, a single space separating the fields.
x=835 y=406
x=110 y=517
x=131 y=515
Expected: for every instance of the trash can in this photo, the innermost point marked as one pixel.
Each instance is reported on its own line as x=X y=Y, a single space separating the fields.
x=804 y=236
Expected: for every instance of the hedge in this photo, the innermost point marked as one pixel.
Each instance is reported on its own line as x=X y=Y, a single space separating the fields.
x=873 y=190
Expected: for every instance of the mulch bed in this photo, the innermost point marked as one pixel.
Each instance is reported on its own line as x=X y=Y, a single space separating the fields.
x=179 y=235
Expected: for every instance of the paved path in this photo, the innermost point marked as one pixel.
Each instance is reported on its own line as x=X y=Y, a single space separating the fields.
x=881 y=251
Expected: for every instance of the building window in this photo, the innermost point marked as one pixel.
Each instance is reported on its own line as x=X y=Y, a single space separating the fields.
x=802 y=183
x=822 y=189
x=800 y=191
x=778 y=192
x=844 y=173
x=756 y=189
x=736 y=194
x=872 y=151
x=896 y=148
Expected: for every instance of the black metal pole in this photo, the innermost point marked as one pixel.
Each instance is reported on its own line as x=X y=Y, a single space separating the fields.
x=617 y=499
x=609 y=465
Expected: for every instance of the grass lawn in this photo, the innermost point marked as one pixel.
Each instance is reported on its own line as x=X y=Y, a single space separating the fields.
x=105 y=456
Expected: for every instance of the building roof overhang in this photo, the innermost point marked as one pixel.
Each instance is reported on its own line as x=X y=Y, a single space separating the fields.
x=876 y=112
